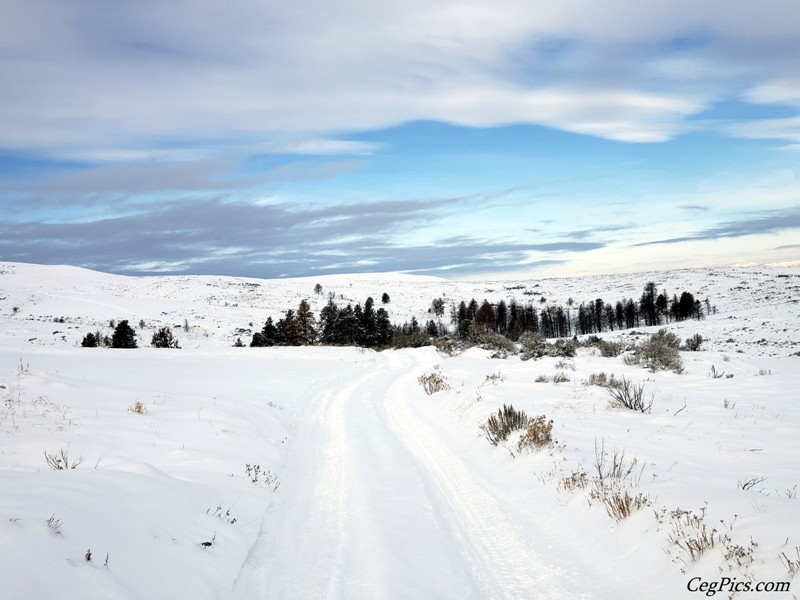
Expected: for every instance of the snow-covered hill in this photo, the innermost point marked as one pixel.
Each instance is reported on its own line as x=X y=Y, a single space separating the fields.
x=221 y=472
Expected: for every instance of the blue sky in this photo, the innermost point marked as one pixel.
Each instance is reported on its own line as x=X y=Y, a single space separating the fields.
x=462 y=139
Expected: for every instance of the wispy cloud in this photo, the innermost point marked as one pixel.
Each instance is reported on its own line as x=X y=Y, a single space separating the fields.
x=215 y=236
x=771 y=222
x=295 y=74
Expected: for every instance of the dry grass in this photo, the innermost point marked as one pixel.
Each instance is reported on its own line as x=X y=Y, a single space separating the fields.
x=538 y=435
x=138 y=408
x=618 y=499
x=432 y=383
x=579 y=480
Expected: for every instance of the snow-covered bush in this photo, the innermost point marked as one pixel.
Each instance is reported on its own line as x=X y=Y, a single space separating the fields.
x=659 y=352
x=489 y=340
x=534 y=345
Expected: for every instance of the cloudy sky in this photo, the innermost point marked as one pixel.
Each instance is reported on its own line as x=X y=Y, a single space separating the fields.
x=459 y=138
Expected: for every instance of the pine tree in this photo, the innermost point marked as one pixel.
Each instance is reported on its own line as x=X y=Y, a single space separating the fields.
x=268 y=336
x=383 y=327
x=289 y=333
x=329 y=317
x=89 y=341
x=369 y=325
x=163 y=339
x=647 y=304
x=485 y=317
x=501 y=318
x=306 y=323
x=124 y=336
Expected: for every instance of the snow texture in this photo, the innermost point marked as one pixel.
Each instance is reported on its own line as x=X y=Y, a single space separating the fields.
x=322 y=472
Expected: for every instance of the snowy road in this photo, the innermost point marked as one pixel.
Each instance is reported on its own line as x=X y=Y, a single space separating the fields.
x=376 y=504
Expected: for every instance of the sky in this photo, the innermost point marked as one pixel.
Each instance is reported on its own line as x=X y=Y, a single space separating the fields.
x=464 y=139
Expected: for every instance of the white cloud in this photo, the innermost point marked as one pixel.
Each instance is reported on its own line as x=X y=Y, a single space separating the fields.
x=775 y=129
x=115 y=79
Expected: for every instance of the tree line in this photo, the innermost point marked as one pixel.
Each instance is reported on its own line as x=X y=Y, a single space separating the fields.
x=555 y=321
x=346 y=326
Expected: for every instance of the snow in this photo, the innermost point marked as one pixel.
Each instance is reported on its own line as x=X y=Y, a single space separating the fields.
x=367 y=487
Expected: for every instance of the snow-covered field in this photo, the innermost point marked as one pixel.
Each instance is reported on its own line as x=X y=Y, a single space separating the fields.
x=322 y=472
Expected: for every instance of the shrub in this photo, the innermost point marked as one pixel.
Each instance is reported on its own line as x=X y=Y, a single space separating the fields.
x=612 y=485
x=416 y=339
x=577 y=481
x=610 y=349
x=714 y=374
x=617 y=499
x=60 y=461
x=138 y=408
x=534 y=345
x=448 y=345
x=163 y=339
x=489 y=340
x=564 y=347
x=690 y=536
x=432 y=383
x=542 y=378
x=627 y=395
x=693 y=343
x=560 y=377
x=615 y=466
x=660 y=352
x=498 y=427
x=602 y=380
x=538 y=435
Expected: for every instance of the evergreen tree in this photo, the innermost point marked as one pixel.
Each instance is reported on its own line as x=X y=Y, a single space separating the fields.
x=163 y=339
x=90 y=341
x=619 y=314
x=610 y=316
x=268 y=336
x=124 y=336
x=431 y=328
x=437 y=307
x=369 y=325
x=631 y=314
x=347 y=329
x=383 y=327
x=647 y=304
x=599 y=306
x=306 y=323
x=329 y=317
x=501 y=318
x=289 y=332
x=463 y=320
x=485 y=317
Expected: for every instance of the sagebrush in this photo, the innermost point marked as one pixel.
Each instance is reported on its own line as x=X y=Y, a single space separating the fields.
x=499 y=426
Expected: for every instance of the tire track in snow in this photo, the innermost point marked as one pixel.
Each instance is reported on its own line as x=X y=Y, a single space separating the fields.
x=376 y=506
x=504 y=561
